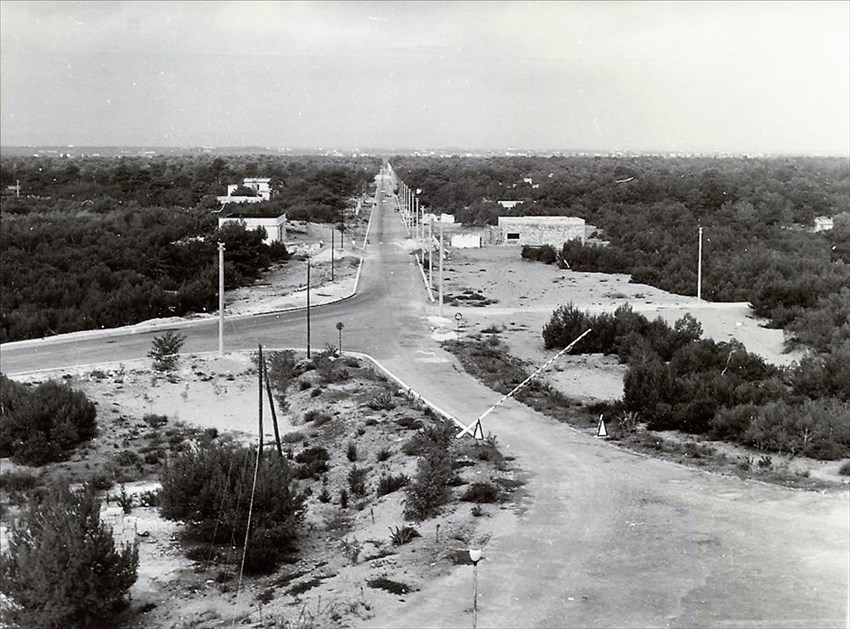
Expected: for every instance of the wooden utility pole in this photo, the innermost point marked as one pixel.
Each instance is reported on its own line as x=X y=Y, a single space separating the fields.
x=260 y=392
x=271 y=405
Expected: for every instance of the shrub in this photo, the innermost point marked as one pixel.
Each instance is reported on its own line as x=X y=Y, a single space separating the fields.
x=165 y=350
x=343 y=499
x=382 y=401
x=429 y=489
x=351 y=452
x=481 y=492
x=389 y=484
x=403 y=535
x=393 y=587
x=357 y=480
x=313 y=462
x=41 y=424
x=208 y=489
x=62 y=568
x=383 y=454
x=19 y=481
x=155 y=421
x=844 y=470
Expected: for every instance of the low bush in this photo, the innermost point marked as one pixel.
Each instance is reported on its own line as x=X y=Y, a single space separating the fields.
x=19 y=481
x=155 y=421
x=382 y=401
x=403 y=535
x=387 y=484
x=313 y=462
x=481 y=493
x=351 y=452
x=393 y=587
x=383 y=454
x=62 y=567
x=844 y=470
x=41 y=424
x=357 y=480
x=207 y=488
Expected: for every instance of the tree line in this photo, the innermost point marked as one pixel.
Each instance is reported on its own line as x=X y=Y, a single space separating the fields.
x=96 y=248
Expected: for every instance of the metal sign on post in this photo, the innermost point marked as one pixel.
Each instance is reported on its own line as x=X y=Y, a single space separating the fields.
x=474 y=429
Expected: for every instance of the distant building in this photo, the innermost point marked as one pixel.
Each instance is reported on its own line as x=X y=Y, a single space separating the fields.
x=540 y=230
x=823 y=223
x=448 y=219
x=275 y=227
x=509 y=205
x=466 y=241
x=257 y=184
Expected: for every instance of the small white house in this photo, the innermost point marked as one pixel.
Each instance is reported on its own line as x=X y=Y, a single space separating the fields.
x=466 y=241
x=260 y=185
x=275 y=227
x=823 y=223
x=540 y=230
x=509 y=205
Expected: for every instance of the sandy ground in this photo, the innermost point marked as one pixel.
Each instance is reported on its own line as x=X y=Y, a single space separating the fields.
x=525 y=294
x=341 y=550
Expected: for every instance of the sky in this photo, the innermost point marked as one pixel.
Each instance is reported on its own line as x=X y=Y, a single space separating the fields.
x=712 y=77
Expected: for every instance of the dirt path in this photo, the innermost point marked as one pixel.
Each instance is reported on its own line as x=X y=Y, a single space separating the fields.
x=610 y=538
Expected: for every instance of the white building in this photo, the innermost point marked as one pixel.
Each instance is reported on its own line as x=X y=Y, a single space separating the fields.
x=260 y=185
x=275 y=227
x=540 y=230
x=823 y=223
x=466 y=241
x=509 y=205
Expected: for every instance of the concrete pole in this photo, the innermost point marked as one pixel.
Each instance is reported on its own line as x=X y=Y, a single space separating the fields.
x=308 y=306
x=699 y=267
x=474 y=595
x=332 y=252
x=441 y=270
x=431 y=253
x=419 y=219
x=221 y=299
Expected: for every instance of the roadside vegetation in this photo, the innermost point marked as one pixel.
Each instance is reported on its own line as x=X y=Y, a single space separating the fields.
x=62 y=567
x=371 y=490
x=756 y=214
x=102 y=242
x=42 y=424
x=487 y=359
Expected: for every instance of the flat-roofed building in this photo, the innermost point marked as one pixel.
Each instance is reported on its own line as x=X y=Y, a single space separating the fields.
x=275 y=226
x=540 y=230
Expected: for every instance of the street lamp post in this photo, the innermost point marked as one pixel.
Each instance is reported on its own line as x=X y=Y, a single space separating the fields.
x=431 y=253
x=475 y=556
x=441 y=270
x=699 y=267
x=308 y=306
x=332 y=253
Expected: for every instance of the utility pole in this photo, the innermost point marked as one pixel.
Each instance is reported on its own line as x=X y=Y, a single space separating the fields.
x=441 y=270
x=308 y=306
x=699 y=267
x=221 y=299
x=431 y=253
x=260 y=393
x=332 y=253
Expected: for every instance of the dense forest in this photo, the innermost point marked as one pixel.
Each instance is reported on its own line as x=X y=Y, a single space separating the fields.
x=100 y=242
x=759 y=246
x=757 y=217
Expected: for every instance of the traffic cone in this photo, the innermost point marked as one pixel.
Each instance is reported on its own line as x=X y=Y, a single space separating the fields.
x=601 y=430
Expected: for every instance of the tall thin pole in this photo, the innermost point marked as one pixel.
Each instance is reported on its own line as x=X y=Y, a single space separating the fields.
x=271 y=406
x=260 y=392
x=699 y=267
x=431 y=253
x=332 y=253
x=441 y=270
x=474 y=594
x=221 y=299
x=308 y=306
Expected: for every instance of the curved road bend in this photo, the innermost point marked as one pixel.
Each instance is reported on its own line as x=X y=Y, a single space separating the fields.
x=602 y=537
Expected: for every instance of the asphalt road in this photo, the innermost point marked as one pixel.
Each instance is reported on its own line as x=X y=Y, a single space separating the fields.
x=375 y=318
x=602 y=537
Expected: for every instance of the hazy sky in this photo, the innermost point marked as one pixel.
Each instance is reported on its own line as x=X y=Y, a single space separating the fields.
x=754 y=77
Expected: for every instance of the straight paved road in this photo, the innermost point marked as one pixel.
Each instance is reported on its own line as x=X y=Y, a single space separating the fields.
x=604 y=537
